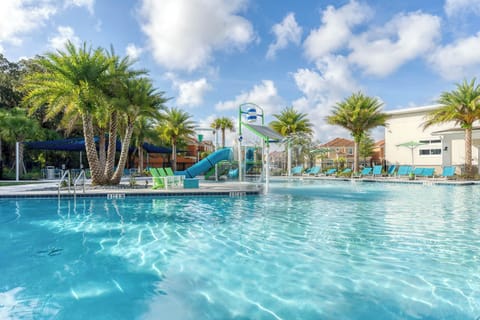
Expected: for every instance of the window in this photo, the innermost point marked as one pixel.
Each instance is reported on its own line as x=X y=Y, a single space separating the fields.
x=430 y=152
x=350 y=150
x=431 y=141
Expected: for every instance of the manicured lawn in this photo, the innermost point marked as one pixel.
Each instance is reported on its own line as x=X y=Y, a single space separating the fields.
x=14 y=183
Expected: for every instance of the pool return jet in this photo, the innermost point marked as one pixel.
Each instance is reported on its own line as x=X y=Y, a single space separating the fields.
x=251 y=112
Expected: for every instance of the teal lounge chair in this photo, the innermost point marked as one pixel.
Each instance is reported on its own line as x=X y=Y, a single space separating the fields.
x=418 y=172
x=297 y=171
x=366 y=172
x=346 y=172
x=404 y=171
x=377 y=171
x=448 y=172
x=330 y=172
x=233 y=173
x=391 y=170
x=313 y=171
x=428 y=172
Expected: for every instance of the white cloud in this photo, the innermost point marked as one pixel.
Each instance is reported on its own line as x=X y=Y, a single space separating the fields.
x=81 y=3
x=286 y=31
x=456 y=7
x=459 y=59
x=18 y=17
x=185 y=33
x=336 y=29
x=208 y=135
x=264 y=95
x=190 y=93
x=64 y=34
x=133 y=51
x=407 y=36
x=322 y=89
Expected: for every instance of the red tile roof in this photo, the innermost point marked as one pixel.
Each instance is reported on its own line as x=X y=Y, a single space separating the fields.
x=338 y=142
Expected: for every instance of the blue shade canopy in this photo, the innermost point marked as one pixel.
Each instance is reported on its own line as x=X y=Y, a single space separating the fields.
x=78 y=144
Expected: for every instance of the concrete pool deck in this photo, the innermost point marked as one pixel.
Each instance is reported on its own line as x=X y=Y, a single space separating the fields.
x=49 y=188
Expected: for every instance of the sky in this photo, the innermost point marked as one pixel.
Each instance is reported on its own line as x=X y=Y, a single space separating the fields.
x=210 y=56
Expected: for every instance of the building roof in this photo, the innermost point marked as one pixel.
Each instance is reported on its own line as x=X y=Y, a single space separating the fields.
x=413 y=110
x=338 y=142
x=380 y=143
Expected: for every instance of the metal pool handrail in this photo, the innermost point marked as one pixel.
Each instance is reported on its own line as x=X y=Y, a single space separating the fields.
x=81 y=175
x=65 y=174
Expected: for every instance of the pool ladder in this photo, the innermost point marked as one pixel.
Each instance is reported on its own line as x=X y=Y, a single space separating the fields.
x=67 y=178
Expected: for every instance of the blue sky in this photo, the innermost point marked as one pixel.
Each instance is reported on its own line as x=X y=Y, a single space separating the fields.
x=212 y=55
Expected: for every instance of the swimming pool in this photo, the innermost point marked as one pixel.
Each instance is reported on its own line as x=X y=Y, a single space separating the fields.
x=307 y=250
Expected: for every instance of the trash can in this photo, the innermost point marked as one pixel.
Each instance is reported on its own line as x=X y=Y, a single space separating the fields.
x=50 y=173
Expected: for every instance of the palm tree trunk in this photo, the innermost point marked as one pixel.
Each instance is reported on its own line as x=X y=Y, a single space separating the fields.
x=123 y=155
x=468 y=152
x=174 y=154
x=101 y=148
x=112 y=145
x=223 y=137
x=140 y=159
x=356 y=157
x=91 y=151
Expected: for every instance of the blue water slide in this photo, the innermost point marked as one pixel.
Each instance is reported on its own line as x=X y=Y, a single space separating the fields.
x=205 y=164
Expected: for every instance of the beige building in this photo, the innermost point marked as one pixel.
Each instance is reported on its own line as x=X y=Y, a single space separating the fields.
x=438 y=145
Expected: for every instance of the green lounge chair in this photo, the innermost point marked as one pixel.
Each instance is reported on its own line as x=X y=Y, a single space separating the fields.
x=169 y=180
x=177 y=179
x=158 y=181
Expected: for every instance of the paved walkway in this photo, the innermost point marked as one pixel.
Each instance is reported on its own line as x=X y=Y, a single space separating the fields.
x=143 y=187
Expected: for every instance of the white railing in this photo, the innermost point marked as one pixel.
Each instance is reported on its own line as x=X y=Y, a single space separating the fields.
x=80 y=176
x=66 y=174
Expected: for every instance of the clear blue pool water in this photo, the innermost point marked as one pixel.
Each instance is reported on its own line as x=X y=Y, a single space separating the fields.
x=308 y=250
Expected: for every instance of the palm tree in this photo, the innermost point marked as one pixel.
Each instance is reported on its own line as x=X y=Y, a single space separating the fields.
x=293 y=125
x=358 y=114
x=176 y=125
x=222 y=124
x=461 y=106
x=137 y=99
x=72 y=81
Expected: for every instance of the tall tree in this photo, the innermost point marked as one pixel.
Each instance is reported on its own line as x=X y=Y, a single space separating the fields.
x=293 y=125
x=17 y=126
x=176 y=125
x=72 y=81
x=366 y=146
x=461 y=106
x=137 y=99
x=358 y=114
x=222 y=124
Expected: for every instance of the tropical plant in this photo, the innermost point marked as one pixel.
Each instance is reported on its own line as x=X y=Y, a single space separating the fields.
x=461 y=106
x=358 y=114
x=72 y=82
x=293 y=125
x=17 y=126
x=365 y=147
x=175 y=126
x=222 y=124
